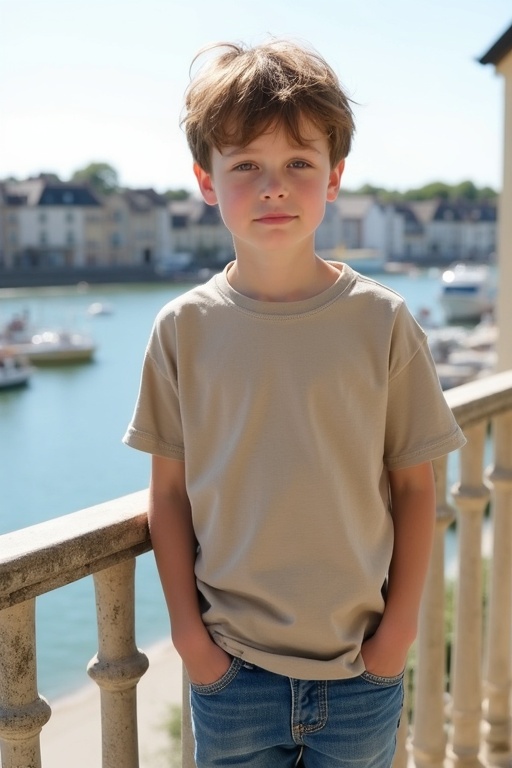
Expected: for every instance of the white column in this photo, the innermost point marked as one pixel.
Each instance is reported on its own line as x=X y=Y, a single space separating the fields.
x=499 y=636
x=429 y=736
x=504 y=304
x=471 y=496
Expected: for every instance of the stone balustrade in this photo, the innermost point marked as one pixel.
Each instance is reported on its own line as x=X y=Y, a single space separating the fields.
x=460 y=715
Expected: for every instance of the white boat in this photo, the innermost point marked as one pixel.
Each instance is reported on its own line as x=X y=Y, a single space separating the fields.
x=463 y=354
x=53 y=347
x=99 y=308
x=14 y=371
x=45 y=346
x=468 y=291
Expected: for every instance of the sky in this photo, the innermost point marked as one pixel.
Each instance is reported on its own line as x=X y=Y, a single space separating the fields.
x=103 y=81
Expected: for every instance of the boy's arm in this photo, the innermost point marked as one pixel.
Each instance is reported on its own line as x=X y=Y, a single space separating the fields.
x=413 y=512
x=174 y=545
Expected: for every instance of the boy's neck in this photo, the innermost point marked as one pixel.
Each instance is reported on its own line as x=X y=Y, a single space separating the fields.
x=283 y=280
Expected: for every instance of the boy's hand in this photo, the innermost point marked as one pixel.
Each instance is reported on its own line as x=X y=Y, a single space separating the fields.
x=382 y=657
x=208 y=667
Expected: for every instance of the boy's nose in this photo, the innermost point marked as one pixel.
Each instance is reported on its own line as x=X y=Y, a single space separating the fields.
x=273 y=188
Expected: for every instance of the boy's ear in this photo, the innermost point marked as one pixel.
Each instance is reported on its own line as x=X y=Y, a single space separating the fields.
x=334 y=181
x=205 y=182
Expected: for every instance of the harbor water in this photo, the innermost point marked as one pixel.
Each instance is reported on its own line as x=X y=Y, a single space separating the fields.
x=61 y=450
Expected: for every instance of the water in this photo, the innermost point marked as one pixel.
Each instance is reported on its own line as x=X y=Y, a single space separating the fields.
x=61 y=450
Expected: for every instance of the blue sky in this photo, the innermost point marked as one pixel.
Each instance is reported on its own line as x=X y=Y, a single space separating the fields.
x=103 y=80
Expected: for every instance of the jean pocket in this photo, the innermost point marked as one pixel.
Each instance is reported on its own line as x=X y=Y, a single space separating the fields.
x=379 y=680
x=222 y=682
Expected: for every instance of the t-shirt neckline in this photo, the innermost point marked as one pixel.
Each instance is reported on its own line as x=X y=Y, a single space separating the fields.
x=286 y=308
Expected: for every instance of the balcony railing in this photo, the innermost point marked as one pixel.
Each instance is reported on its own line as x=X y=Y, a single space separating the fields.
x=461 y=714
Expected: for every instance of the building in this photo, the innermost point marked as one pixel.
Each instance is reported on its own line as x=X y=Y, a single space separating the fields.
x=136 y=228
x=198 y=230
x=500 y=56
x=438 y=231
x=447 y=231
x=46 y=224
x=49 y=224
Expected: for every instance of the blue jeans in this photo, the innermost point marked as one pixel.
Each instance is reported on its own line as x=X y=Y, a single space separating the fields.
x=257 y=719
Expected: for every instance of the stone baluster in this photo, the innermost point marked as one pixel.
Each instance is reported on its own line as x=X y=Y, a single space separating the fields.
x=498 y=663
x=22 y=711
x=471 y=495
x=118 y=665
x=429 y=737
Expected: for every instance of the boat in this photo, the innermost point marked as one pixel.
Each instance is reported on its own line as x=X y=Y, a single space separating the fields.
x=99 y=308
x=15 y=371
x=53 y=347
x=468 y=292
x=45 y=347
x=464 y=354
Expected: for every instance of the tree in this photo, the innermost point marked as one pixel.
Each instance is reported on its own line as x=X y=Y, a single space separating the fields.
x=177 y=194
x=102 y=177
x=436 y=189
x=465 y=190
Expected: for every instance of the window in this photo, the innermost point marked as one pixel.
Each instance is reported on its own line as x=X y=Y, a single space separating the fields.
x=67 y=198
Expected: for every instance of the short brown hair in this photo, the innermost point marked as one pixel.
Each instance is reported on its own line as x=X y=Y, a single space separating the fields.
x=243 y=91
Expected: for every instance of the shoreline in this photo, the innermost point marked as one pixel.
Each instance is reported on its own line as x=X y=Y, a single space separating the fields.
x=75 y=725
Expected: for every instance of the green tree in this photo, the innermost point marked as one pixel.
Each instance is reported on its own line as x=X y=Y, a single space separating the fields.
x=102 y=177
x=466 y=190
x=177 y=194
x=487 y=193
x=436 y=189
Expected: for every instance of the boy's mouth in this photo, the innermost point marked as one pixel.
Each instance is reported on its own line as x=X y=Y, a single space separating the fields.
x=275 y=218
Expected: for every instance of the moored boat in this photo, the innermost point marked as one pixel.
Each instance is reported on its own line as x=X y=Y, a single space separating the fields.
x=462 y=354
x=54 y=347
x=468 y=291
x=99 y=308
x=49 y=347
x=15 y=371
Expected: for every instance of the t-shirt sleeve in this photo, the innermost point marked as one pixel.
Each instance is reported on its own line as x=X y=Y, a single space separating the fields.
x=420 y=426
x=156 y=423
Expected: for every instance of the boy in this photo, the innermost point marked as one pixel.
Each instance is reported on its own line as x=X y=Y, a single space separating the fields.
x=292 y=410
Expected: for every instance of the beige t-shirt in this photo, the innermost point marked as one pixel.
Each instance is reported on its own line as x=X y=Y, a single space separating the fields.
x=288 y=416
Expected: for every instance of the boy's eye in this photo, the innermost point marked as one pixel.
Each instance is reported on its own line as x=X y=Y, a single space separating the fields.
x=299 y=164
x=244 y=167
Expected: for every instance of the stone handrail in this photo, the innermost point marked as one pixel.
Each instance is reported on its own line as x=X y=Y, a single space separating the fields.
x=105 y=540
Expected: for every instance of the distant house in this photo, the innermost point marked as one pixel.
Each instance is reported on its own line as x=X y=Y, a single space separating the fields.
x=361 y=223
x=198 y=229
x=137 y=228
x=44 y=223
x=420 y=231
x=447 y=231
x=412 y=243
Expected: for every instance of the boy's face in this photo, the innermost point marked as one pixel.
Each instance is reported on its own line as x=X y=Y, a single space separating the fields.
x=272 y=193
